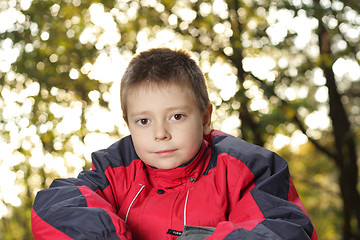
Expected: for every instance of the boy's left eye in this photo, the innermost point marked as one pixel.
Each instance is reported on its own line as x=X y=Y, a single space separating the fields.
x=177 y=116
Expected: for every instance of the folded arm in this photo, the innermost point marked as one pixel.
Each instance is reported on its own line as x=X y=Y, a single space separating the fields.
x=268 y=206
x=78 y=208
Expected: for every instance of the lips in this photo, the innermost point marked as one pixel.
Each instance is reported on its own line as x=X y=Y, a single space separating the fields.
x=165 y=153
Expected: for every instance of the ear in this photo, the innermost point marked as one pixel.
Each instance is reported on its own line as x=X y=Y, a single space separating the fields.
x=207 y=121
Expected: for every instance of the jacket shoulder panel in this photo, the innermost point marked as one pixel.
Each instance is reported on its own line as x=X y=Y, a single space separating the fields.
x=256 y=158
x=119 y=154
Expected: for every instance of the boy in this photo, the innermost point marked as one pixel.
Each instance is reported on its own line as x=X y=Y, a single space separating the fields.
x=173 y=176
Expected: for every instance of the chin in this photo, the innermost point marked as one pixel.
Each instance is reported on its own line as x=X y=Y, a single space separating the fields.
x=168 y=166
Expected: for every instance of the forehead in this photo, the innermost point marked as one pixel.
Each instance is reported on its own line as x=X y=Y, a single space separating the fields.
x=147 y=88
x=161 y=96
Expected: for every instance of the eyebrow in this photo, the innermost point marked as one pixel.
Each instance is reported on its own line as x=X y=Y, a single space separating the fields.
x=180 y=108
x=139 y=113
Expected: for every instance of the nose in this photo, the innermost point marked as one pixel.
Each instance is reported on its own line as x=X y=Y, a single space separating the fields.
x=161 y=132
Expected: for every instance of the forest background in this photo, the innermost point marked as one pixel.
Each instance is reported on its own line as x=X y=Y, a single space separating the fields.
x=282 y=74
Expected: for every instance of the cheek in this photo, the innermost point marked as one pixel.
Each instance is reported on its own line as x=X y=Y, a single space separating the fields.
x=139 y=142
x=193 y=135
x=137 y=133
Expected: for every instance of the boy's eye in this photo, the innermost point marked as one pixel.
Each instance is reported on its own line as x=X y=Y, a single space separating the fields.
x=177 y=117
x=143 y=121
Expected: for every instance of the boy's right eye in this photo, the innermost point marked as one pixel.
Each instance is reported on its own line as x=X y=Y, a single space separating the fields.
x=143 y=121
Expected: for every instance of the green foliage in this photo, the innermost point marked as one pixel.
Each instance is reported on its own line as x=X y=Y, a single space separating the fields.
x=318 y=189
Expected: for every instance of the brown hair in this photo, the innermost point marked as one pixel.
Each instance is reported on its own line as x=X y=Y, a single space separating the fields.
x=159 y=66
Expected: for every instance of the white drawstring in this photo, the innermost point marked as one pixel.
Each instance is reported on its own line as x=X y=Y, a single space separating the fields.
x=127 y=213
x=186 y=200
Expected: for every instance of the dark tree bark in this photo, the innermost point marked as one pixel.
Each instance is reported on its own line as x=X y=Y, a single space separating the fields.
x=345 y=155
x=250 y=129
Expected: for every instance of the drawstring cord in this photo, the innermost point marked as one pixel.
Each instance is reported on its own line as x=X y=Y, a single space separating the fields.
x=186 y=200
x=142 y=187
x=128 y=211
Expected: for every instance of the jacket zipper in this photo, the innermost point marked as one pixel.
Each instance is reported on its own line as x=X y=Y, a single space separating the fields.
x=128 y=211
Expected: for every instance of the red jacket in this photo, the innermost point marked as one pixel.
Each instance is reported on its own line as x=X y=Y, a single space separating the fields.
x=242 y=190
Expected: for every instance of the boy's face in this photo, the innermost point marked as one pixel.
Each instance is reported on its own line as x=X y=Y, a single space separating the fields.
x=166 y=125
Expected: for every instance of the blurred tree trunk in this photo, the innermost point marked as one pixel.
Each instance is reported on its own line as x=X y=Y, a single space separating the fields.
x=250 y=130
x=345 y=155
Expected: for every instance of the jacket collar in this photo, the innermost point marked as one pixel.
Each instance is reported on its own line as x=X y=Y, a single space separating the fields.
x=182 y=176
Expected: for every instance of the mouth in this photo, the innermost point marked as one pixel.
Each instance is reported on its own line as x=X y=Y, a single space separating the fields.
x=165 y=153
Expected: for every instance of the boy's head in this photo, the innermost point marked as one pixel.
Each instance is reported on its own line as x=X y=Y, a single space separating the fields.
x=163 y=66
x=166 y=107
